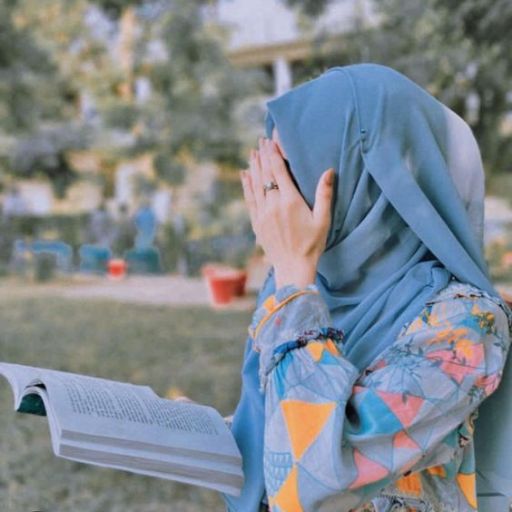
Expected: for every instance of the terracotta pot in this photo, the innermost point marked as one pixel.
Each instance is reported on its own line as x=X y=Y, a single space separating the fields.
x=221 y=288
x=116 y=268
x=211 y=268
x=239 y=284
x=224 y=282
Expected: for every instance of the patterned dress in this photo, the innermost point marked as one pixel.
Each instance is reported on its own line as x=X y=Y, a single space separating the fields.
x=395 y=437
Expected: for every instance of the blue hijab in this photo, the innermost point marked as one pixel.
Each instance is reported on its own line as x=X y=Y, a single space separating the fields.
x=402 y=222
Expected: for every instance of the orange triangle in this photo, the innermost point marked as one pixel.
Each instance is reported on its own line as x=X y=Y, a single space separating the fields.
x=287 y=498
x=410 y=484
x=404 y=411
x=304 y=421
x=437 y=470
x=315 y=349
x=332 y=347
x=467 y=484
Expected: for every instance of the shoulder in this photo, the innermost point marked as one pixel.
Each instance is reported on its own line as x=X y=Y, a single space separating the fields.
x=464 y=304
x=460 y=299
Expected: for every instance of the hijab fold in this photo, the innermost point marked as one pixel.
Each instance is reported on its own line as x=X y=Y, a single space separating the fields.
x=407 y=217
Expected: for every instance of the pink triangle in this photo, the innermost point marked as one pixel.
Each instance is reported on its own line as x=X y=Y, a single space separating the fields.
x=404 y=411
x=402 y=440
x=358 y=389
x=368 y=471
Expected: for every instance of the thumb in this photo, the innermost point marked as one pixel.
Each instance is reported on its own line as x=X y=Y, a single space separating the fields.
x=323 y=196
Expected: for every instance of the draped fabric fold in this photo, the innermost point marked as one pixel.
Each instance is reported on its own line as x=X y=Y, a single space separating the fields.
x=404 y=221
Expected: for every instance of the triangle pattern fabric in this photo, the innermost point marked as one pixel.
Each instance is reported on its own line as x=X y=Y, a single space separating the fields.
x=304 y=422
x=406 y=410
x=287 y=499
x=368 y=471
x=315 y=349
x=402 y=440
x=467 y=484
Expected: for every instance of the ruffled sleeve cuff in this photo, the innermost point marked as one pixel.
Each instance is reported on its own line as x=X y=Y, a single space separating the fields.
x=288 y=319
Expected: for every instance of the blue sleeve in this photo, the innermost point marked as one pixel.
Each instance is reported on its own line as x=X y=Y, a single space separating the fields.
x=398 y=417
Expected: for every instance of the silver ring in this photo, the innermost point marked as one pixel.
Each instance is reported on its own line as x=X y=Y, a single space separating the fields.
x=269 y=185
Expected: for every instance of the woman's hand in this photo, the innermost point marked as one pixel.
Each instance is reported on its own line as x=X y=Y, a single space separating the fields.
x=292 y=235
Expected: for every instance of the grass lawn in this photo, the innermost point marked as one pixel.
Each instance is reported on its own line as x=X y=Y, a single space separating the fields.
x=195 y=349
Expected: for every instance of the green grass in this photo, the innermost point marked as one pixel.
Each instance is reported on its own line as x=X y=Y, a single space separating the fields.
x=196 y=349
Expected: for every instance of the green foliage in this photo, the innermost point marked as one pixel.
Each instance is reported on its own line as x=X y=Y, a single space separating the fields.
x=168 y=170
x=196 y=90
x=310 y=7
x=172 y=245
x=456 y=49
x=36 y=104
x=44 y=153
x=28 y=84
x=67 y=53
x=114 y=8
x=68 y=228
x=121 y=115
x=45 y=267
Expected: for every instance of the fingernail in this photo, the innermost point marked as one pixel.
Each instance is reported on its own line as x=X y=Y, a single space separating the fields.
x=329 y=179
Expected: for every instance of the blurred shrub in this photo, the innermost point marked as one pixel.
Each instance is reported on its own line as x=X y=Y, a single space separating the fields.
x=498 y=254
x=500 y=184
x=143 y=260
x=68 y=228
x=219 y=233
x=231 y=249
x=121 y=115
x=169 y=170
x=172 y=245
x=45 y=266
x=44 y=153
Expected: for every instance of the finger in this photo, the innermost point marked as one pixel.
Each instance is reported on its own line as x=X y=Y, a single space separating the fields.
x=323 y=197
x=265 y=160
x=249 y=197
x=251 y=203
x=273 y=196
x=256 y=181
x=280 y=172
x=183 y=399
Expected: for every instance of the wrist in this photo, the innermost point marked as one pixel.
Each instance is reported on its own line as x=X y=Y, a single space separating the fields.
x=298 y=273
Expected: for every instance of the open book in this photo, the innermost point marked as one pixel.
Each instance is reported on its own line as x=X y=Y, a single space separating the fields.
x=129 y=427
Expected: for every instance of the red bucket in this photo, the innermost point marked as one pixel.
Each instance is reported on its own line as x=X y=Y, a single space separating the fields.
x=116 y=268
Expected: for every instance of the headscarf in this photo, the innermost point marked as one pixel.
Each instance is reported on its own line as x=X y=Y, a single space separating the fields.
x=407 y=215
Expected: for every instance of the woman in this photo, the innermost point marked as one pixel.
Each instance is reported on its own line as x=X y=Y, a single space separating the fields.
x=378 y=332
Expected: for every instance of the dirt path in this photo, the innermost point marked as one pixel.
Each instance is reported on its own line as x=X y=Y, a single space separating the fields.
x=170 y=290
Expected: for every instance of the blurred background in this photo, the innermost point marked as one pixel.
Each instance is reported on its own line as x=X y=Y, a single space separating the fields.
x=125 y=247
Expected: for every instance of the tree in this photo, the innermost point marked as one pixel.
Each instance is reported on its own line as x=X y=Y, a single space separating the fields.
x=457 y=49
x=28 y=76
x=35 y=101
x=194 y=88
x=104 y=49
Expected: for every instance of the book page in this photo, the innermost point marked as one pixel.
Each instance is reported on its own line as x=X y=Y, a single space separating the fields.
x=91 y=408
x=224 y=479
x=19 y=377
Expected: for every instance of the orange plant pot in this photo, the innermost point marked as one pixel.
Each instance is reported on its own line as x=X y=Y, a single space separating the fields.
x=116 y=268
x=223 y=282
x=221 y=289
x=239 y=284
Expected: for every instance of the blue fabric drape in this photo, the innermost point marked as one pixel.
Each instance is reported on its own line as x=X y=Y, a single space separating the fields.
x=400 y=229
